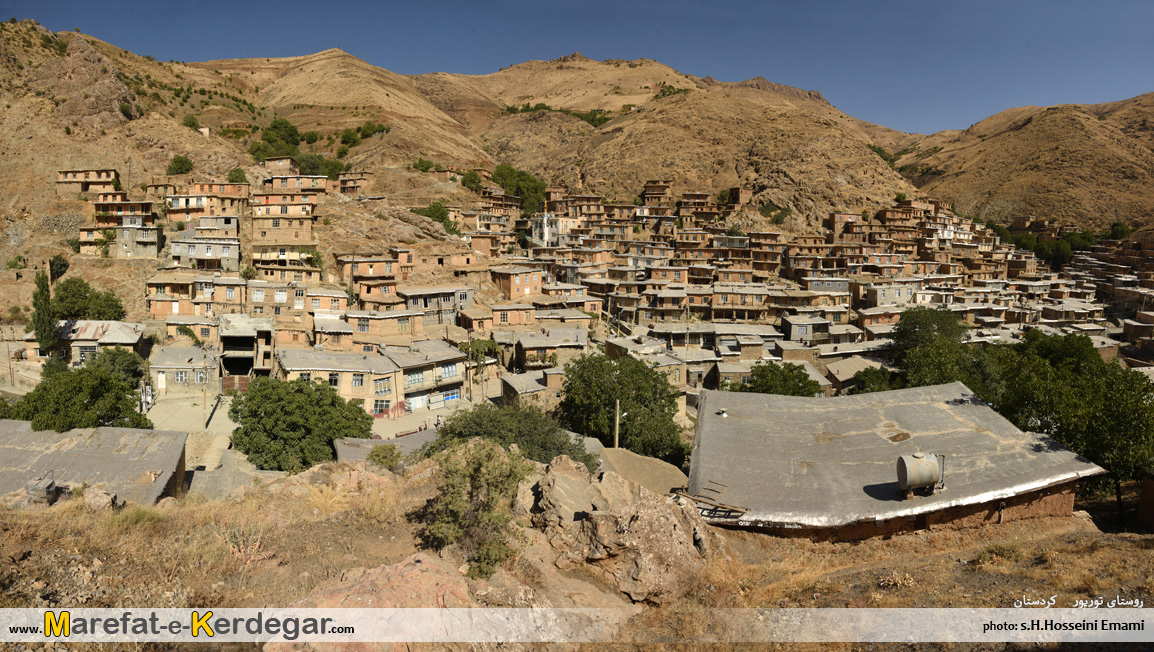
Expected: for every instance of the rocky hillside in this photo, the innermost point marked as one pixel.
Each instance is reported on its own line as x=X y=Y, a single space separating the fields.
x=1087 y=165
x=605 y=127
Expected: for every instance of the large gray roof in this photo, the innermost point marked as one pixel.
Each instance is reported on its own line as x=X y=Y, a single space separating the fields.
x=830 y=462
x=136 y=465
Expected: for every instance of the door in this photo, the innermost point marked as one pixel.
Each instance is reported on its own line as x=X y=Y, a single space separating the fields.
x=175 y=307
x=160 y=381
x=418 y=401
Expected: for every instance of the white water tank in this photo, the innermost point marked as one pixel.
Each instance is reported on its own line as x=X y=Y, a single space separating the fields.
x=919 y=470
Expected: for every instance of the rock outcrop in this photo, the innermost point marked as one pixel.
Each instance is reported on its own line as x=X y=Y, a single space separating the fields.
x=654 y=547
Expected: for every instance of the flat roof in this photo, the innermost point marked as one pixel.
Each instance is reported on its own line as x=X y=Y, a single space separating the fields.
x=798 y=462
x=134 y=464
x=307 y=360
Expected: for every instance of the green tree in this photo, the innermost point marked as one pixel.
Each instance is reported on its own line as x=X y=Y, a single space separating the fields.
x=537 y=435
x=437 y=212
x=291 y=425
x=529 y=188
x=120 y=362
x=723 y=197
x=105 y=305
x=281 y=130
x=75 y=299
x=57 y=267
x=423 y=165
x=473 y=506
x=248 y=273
x=237 y=175
x=180 y=164
x=648 y=405
x=1118 y=231
x=772 y=378
x=191 y=121
x=349 y=137
x=874 y=379
x=900 y=197
x=920 y=325
x=472 y=181
x=43 y=317
x=310 y=137
x=88 y=397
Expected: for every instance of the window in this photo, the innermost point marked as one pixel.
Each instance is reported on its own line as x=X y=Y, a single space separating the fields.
x=463 y=296
x=200 y=376
x=362 y=325
x=258 y=295
x=449 y=370
x=258 y=310
x=208 y=250
x=226 y=251
x=403 y=325
x=334 y=379
x=306 y=376
x=316 y=304
x=181 y=376
x=358 y=380
x=204 y=331
x=281 y=296
x=381 y=386
x=230 y=293
x=414 y=378
x=335 y=304
x=276 y=310
x=276 y=223
x=380 y=406
x=283 y=211
x=298 y=276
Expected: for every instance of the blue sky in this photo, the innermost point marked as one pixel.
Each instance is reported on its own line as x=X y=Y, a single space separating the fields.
x=915 y=66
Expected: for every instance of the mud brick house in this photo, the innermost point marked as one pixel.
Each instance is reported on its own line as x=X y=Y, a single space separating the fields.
x=825 y=468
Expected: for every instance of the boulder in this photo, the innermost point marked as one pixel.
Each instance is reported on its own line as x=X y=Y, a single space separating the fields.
x=654 y=547
x=99 y=499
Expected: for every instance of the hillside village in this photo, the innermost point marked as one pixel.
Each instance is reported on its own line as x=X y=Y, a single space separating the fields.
x=488 y=302
x=661 y=279
x=243 y=292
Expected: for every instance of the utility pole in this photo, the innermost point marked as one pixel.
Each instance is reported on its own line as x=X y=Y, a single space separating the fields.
x=8 y=348
x=616 y=422
x=204 y=401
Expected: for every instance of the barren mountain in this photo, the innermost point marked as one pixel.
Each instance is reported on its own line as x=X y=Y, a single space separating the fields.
x=73 y=101
x=1088 y=165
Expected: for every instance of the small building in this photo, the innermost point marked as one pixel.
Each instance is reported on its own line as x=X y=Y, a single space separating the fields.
x=184 y=370
x=541 y=387
x=826 y=468
x=369 y=380
x=81 y=340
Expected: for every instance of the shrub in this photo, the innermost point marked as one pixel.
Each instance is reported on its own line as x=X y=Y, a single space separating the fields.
x=191 y=121
x=180 y=164
x=342 y=151
x=423 y=165
x=237 y=175
x=386 y=456
x=126 y=110
x=473 y=507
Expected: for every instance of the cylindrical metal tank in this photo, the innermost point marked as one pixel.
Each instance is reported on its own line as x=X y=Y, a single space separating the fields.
x=917 y=471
